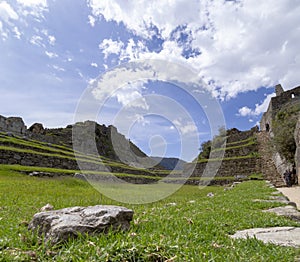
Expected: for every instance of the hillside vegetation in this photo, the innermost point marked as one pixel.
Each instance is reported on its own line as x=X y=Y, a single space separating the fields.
x=284 y=127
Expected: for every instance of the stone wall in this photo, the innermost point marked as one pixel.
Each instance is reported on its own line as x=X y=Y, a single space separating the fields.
x=282 y=98
x=239 y=162
x=13 y=157
x=231 y=168
x=234 y=135
x=267 y=119
x=12 y=124
x=286 y=97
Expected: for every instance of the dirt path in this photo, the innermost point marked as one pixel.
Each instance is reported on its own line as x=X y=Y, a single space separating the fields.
x=292 y=193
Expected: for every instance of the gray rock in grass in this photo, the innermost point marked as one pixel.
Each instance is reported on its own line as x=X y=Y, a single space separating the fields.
x=60 y=225
x=284 y=236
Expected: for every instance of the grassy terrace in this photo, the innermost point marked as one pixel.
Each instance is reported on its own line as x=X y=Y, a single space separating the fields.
x=246 y=141
x=99 y=162
x=17 y=144
x=45 y=147
x=69 y=172
x=249 y=143
x=252 y=155
x=193 y=228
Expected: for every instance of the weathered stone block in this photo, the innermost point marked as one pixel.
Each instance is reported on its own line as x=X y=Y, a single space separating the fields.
x=61 y=225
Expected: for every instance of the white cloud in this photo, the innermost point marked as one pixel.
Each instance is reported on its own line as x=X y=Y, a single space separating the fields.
x=58 y=68
x=50 y=54
x=33 y=3
x=17 y=32
x=259 y=108
x=242 y=45
x=92 y=20
x=109 y=47
x=141 y=120
x=34 y=8
x=51 y=39
x=131 y=96
x=185 y=127
x=138 y=16
x=133 y=50
x=94 y=64
x=7 y=13
x=37 y=40
x=245 y=111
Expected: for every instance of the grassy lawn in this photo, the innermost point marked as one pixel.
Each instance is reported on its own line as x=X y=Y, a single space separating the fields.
x=187 y=226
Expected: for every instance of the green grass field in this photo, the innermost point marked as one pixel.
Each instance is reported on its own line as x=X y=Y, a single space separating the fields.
x=195 y=228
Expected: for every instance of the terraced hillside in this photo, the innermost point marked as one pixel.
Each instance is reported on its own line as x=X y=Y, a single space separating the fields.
x=241 y=160
x=28 y=155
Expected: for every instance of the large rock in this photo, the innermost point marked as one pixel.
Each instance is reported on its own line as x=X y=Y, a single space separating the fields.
x=12 y=124
x=60 y=225
x=37 y=128
x=284 y=236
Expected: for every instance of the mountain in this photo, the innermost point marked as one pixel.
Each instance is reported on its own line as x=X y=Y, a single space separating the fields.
x=170 y=163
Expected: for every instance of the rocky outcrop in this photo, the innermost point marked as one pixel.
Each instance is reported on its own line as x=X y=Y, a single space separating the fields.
x=12 y=124
x=61 y=225
x=37 y=128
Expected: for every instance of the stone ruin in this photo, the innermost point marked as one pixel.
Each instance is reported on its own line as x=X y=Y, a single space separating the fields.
x=12 y=124
x=282 y=98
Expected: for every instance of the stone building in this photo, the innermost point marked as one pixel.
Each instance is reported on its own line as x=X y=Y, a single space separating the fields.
x=282 y=98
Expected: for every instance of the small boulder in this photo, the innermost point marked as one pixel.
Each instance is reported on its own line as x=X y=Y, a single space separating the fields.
x=37 y=128
x=60 y=225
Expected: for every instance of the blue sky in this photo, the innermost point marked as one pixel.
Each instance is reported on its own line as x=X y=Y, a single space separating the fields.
x=52 y=50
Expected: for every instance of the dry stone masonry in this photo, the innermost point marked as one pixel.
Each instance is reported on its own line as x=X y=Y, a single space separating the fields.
x=240 y=160
x=282 y=99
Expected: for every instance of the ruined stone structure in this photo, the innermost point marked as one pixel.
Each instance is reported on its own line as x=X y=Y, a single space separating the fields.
x=281 y=99
x=53 y=148
x=12 y=124
x=241 y=159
